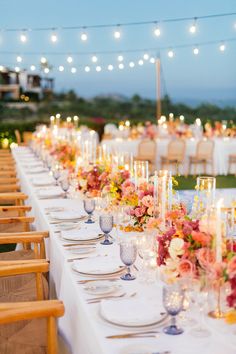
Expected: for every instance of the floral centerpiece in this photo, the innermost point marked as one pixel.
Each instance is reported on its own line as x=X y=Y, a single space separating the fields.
x=92 y=179
x=114 y=184
x=65 y=154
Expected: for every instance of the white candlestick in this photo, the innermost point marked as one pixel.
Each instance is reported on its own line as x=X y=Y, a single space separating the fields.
x=218 y=232
x=155 y=194
x=163 y=198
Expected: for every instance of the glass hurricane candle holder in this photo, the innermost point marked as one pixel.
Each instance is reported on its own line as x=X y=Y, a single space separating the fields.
x=205 y=198
x=141 y=172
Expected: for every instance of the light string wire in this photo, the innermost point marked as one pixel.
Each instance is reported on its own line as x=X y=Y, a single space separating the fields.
x=124 y=24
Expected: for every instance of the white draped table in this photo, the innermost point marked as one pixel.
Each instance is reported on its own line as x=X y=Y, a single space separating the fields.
x=222 y=149
x=82 y=325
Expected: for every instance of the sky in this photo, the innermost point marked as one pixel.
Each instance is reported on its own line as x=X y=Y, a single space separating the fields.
x=208 y=76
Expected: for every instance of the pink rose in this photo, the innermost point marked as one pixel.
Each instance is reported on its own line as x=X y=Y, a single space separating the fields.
x=186 y=267
x=205 y=257
x=201 y=237
x=139 y=212
x=147 y=201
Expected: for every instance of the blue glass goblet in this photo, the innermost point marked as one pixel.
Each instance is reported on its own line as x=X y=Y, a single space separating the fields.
x=128 y=254
x=106 y=225
x=173 y=297
x=89 y=206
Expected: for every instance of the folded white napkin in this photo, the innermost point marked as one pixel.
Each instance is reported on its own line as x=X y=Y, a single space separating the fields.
x=87 y=232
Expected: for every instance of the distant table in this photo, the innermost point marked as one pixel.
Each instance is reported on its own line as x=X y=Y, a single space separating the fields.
x=223 y=148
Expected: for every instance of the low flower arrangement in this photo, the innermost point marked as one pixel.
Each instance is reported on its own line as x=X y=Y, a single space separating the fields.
x=92 y=179
x=65 y=154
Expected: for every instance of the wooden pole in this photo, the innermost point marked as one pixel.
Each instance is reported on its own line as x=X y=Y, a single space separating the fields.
x=158 y=88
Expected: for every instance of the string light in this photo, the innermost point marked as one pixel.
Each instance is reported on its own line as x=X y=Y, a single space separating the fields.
x=222 y=47
x=84 y=36
x=19 y=59
x=94 y=59
x=146 y=56
x=110 y=67
x=23 y=38
x=17 y=69
x=193 y=27
x=170 y=53
x=117 y=33
x=157 y=31
x=43 y=60
x=140 y=62
x=98 y=68
x=54 y=38
x=121 y=66
x=32 y=68
x=120 y=58
x=131 y=64
x=152 y=60
x=73 y=70
x=87 y=69
x=61 y=68
x=195 y=51
x=69 y=59
x=46 y=70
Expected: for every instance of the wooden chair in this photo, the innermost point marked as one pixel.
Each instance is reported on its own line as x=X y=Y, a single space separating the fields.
x=204 y=156
x=4 y=152
x=7 y=188
x=232 y=161
x=5 y=174
x=14 y=210
x=147 y=150
x=27 y=137
x=38 y=332
x=18 y=137
x=8 y=180
x=16 y=224
x=13 y=198
x=32 y=241
x=175 y=154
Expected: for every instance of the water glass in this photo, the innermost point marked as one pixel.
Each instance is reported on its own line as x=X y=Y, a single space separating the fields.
x=56 y=173
x=89 y=206
x=128 y=254
x=106 y=225
x=173 y=297
x=65 y=185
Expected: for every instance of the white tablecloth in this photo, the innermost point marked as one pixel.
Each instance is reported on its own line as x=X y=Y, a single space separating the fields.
x=223 y=148
x=82 y=325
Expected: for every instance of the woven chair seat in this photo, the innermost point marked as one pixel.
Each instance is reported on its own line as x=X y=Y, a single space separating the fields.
x=199 y=159
x=172 y=160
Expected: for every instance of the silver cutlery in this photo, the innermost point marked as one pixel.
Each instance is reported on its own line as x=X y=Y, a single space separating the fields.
x=92 y=280
x=86 y=257
x=132 y=334
x=110 y=297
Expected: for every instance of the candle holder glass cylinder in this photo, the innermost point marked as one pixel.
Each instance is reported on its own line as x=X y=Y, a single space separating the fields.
x=141 y=172
x=205 y=198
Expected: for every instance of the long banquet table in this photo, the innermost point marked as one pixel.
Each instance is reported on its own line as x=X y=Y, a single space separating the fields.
x=222 y=149
x=82 y=326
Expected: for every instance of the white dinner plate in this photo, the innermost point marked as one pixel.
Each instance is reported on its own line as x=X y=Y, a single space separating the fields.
x=101 y=287
x=42 y=182
x=66 y=215
x=133 y=312
x=37 y=170
x=81 y=250
x=101 y=266
x=81 y=235
x=50 y=193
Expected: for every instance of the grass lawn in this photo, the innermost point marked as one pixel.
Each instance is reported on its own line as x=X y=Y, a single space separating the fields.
x=190 y=182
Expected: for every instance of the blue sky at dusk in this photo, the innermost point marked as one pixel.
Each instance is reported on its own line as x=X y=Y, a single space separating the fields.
x=210 y=75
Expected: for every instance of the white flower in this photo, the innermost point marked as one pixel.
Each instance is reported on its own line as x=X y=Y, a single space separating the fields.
x=176 y=247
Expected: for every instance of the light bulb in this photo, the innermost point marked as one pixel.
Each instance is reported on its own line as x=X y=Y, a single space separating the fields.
x=94 y=59
x=121 y=66
x=110 y=67
x=73 y=70
x=152 y=60
x=146 y=56
x=87 y=69
x=19 y=59
x=23 y=38
x=58 y=116
x=140 y=62
x=43 y=60
x=46 y=70
x=117 y=34
x=69 y=59
x=195 y=51
x=131 y=64
x=171 y=54
x=120 y=58
x=54 y=38
x=193 y=27
x=61 y=68
x=84 y=37
x=17 y=69
x=98 y=68
x=222 y=47
x=32 y=68
x=157 y=31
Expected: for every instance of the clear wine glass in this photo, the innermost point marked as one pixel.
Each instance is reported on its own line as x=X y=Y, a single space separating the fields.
x=89 y=206
x=56 y=173
x=106 y=225
x=128 y=254
x=65 y=186
x=173 y=297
